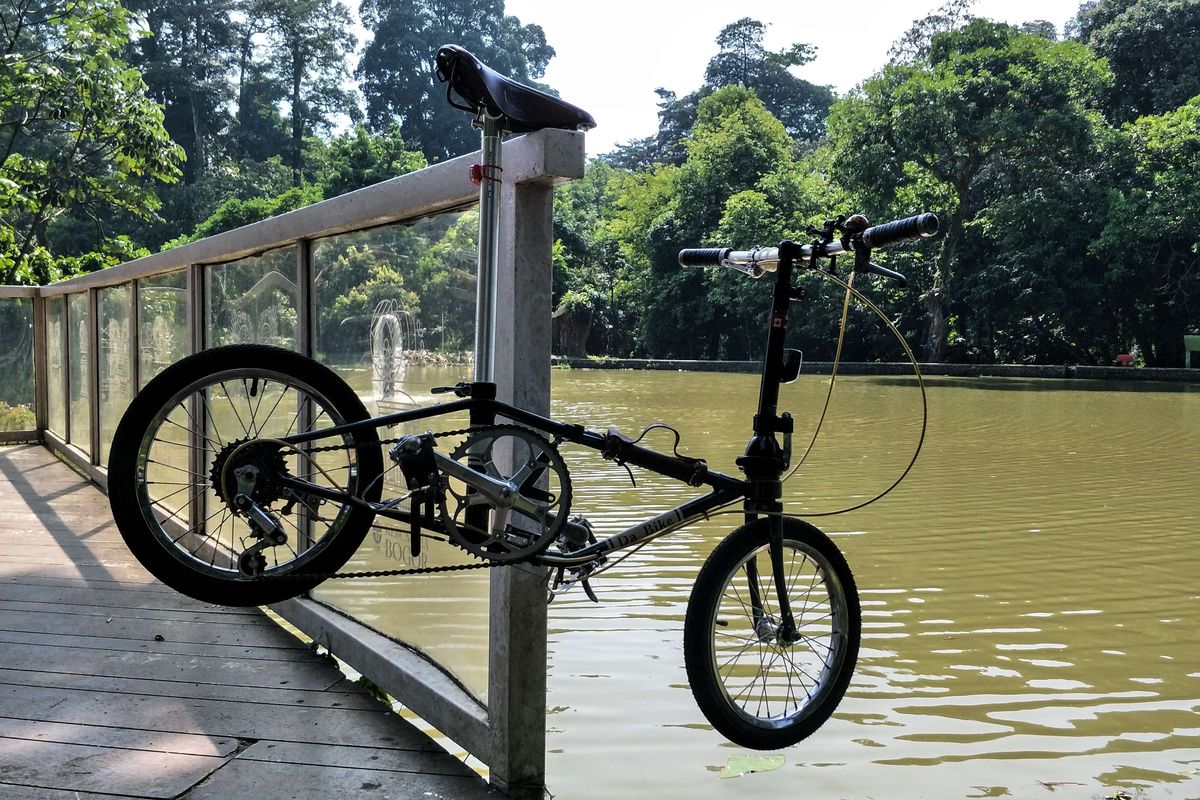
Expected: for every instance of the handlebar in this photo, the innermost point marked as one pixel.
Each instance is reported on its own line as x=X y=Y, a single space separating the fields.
x=901 y=230
x=760 y=260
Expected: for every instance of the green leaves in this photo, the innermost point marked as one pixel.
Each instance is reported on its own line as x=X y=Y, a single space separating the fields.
x=77 y=130
x=397 y=67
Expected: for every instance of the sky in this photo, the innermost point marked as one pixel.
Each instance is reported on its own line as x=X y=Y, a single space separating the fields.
x=612 y=55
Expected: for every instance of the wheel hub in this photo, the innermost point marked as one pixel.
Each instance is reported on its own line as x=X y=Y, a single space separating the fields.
x=264 y=456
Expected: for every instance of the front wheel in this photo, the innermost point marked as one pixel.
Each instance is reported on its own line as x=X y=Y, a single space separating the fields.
x=758 y=685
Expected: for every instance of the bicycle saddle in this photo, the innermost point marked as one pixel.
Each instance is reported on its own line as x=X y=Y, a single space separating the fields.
x=523 y=108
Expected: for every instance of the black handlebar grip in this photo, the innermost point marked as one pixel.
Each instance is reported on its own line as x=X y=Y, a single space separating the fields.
x=703 y=256
x=901 y=230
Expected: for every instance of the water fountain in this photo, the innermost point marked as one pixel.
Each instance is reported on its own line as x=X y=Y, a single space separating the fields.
x=390 y=327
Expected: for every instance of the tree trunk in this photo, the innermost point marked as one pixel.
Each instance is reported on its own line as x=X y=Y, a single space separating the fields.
x=297 y=114
x=197 y=160
x=935 y=297
x=939 y=326
x=571 y=330
x=243 y=65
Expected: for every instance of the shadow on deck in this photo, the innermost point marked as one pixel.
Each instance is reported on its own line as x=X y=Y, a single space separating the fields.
x=112 y=685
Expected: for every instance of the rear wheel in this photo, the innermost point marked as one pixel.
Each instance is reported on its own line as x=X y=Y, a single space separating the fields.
x=758 y=686
x=186 y=446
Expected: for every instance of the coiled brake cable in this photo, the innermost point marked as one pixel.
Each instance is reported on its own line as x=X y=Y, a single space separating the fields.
x=850 y=290
x=912 y=359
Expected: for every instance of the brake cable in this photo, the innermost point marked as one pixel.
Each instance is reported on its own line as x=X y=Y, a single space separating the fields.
x=851 y=291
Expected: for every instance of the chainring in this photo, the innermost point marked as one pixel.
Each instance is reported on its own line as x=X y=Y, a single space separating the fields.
x=541 y=484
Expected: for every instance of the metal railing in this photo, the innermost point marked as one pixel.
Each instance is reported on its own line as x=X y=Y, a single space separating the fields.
x=97 y=338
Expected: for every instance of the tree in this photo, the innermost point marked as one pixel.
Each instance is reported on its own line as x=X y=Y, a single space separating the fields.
x=356 y=159
x=1153 y=47
x=185 y=60
x=397 y=68
x=77 y=130
x=1155 y=289
x=913 y=47
x=741 y=60
x=592 y=278
x=309 y=42
x=259 y=131
x=988 y=102
x=735 y=143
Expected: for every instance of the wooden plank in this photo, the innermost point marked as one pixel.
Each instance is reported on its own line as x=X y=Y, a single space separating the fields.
x=73 y=581
x=149 y=644
x=110 y=598
x=209 y=633
x=215 y=717
x=12 y=791
x=306 y=672
x=264 y=781
x=341 y=695
x=119 y=573
x=114 y=770
x=124 y=738
x=197 y=614
x=356 y=757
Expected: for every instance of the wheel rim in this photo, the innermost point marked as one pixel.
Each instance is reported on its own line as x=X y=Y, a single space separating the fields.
x=769 y=683
x=228 y=414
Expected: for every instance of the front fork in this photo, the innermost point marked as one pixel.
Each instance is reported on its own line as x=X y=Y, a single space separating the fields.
x=786 y=632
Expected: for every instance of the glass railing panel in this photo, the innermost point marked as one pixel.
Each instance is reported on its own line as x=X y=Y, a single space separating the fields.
x=16 y=361
x=115 y=360
x=56 y=386
x=395 y=316
x=162 y=323
x=253 y=300
x=78 y=321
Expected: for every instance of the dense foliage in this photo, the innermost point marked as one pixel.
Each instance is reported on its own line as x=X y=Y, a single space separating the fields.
x=1066 y=172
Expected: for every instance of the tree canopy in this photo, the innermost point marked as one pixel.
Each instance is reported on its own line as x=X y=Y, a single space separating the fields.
x=1065 y=172
x=76 y=127
x=397 y=67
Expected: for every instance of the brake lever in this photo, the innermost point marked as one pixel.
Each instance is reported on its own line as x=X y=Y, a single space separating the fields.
x=875 y=269
x=863 y=263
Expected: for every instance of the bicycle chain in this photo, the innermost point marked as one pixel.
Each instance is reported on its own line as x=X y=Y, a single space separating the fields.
x=391 y=573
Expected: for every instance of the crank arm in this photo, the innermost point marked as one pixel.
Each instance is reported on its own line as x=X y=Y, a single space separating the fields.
x=497 y=493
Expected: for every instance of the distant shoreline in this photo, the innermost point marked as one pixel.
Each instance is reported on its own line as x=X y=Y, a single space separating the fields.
x=1054 y=371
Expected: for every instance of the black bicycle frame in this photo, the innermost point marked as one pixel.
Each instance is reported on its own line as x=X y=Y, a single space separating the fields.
x=763 y=462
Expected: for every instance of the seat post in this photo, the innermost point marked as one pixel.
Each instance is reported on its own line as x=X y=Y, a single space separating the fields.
x=489 y=250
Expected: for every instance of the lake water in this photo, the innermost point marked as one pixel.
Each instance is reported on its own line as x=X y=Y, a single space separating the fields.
x=1030 y=592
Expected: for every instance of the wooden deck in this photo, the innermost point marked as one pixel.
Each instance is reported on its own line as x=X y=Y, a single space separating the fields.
x=112 y=685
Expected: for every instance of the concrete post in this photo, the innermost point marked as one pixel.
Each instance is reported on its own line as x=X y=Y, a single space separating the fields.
x=517 y=633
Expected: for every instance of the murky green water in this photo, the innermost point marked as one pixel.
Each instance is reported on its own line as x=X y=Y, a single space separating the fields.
x=1030 y=593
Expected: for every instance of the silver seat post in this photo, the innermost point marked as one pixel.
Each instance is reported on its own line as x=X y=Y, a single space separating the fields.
x=489 y=251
